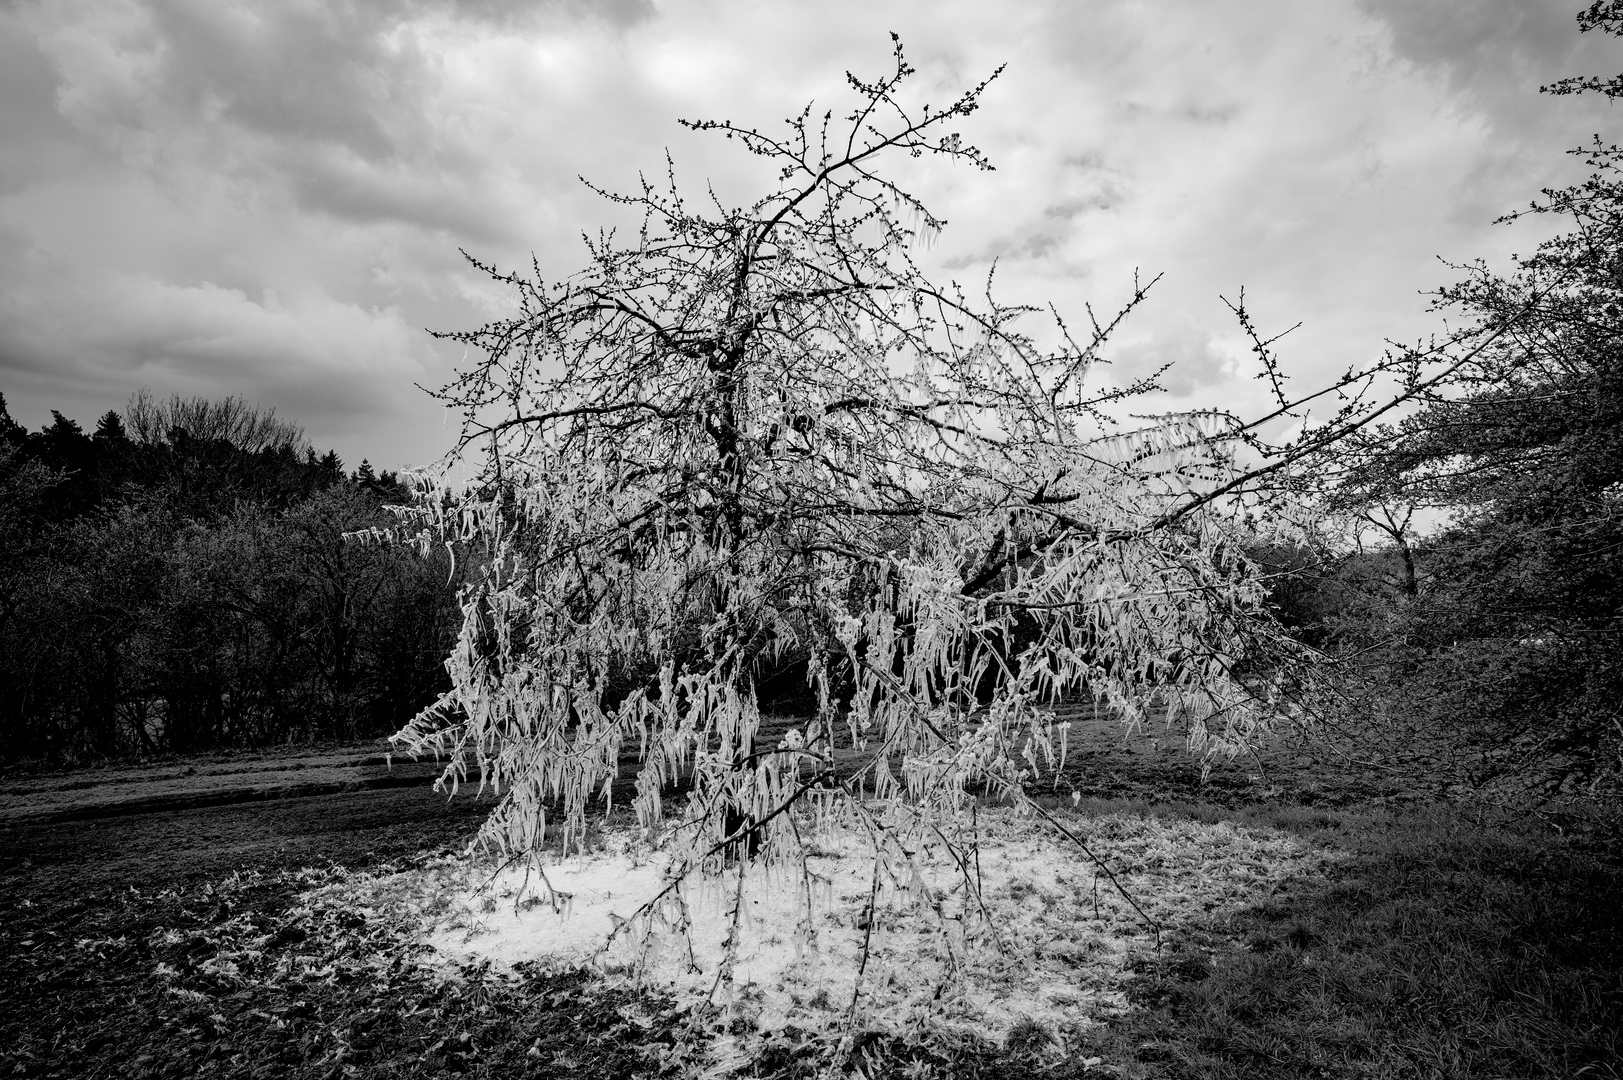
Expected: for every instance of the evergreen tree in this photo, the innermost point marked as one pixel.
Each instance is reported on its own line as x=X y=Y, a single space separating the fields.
x=11 y=432
x=110 y=431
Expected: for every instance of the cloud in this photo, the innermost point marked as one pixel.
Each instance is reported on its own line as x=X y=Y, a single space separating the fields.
x=230 y=197
x=1191 y=358
x=332 y=356
x=1494 y=52
x=313 y=334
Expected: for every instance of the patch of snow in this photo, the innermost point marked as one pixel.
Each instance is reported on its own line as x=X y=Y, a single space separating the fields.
x=1047 y=938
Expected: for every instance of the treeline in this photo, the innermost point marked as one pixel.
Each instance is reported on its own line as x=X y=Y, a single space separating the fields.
x=178 y=579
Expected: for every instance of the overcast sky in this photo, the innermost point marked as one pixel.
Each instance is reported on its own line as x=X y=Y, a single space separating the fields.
x=267 y=199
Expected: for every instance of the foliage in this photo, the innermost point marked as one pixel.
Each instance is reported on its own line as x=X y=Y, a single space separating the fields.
x=25 y=488
x=1516 y=630
x=179 y=580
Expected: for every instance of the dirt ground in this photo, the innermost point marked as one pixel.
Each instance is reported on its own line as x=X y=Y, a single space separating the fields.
x=175 y=849
x=95 y=912
x=152 y=925
x=204 y=780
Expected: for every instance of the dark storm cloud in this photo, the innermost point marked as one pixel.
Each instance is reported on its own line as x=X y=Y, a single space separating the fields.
x=291 y=73
x=1493 y=56
x=1495 y=51
x=169 y=167
x=36 y=143
x=331 y=100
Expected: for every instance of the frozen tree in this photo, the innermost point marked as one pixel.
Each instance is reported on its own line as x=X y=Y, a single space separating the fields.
x=742 y=436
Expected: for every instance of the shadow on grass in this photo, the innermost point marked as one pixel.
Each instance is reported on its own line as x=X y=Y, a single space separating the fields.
x=1439 y=948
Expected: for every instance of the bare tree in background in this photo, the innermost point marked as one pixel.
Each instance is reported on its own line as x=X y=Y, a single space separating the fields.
x=247 y=427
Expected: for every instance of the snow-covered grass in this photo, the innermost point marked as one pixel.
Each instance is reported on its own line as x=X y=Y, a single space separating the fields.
x=1047 y=941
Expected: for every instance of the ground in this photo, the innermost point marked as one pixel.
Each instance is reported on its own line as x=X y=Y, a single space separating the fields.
x=150 y=926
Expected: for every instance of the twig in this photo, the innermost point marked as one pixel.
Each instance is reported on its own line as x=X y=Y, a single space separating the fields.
x=867 y=941
x=1100 y=863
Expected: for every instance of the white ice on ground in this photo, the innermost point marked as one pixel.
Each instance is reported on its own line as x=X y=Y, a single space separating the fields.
x=1051 y=944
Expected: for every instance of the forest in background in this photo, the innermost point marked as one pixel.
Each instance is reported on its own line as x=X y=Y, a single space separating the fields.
x=178 y=579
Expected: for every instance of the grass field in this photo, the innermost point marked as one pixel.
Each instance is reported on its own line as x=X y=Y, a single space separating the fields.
x=273 y=938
